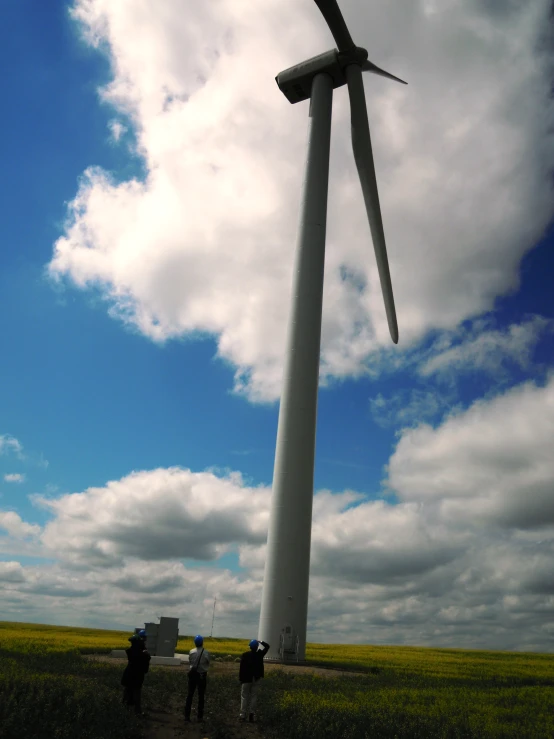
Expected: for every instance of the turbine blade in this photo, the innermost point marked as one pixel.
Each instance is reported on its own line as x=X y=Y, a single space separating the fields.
x=332 y=14
x=363 y=155
x=368 y=66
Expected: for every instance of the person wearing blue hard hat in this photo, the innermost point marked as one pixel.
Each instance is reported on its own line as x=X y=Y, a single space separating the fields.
x=138 y=662
x=251 y=672
x=199 y=661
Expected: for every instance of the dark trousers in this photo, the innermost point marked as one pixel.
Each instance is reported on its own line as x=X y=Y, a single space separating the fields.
x=132 y=697
x=196 y=680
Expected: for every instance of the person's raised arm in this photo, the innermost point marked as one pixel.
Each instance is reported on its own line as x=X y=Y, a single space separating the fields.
x=265 y=647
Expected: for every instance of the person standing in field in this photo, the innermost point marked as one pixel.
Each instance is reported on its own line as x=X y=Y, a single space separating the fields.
x=199 y=661
x=138 y=662
x=250 y=673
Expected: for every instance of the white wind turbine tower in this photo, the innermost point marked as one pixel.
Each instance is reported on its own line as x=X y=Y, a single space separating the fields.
x=284 y=610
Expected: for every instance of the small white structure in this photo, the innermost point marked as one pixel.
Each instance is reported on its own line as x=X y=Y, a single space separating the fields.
x=174 y=661
x=161 y=642
x=161 y=639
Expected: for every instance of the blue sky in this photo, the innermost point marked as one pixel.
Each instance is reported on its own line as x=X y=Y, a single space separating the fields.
x=91 y=398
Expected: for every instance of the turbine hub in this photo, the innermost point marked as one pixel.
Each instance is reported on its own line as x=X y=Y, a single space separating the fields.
x=296 y=82
x=356 y=55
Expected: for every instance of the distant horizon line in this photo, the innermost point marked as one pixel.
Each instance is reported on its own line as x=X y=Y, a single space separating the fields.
x=125 y=631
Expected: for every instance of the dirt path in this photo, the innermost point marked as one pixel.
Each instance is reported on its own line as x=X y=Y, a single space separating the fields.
x=170 y=724
x=167 y=722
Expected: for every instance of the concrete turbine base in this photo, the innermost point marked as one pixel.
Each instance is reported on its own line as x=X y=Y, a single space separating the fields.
x=174 y=661
x=276 y=661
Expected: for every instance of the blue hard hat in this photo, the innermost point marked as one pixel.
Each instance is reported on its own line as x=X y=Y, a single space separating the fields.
x=199 y=640
x=142 y=634
x=253 y=644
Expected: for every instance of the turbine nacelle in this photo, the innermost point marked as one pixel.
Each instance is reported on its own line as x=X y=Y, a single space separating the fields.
x=296 y=82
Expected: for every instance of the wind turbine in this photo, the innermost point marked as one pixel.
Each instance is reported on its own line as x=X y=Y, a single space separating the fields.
x=284 y=609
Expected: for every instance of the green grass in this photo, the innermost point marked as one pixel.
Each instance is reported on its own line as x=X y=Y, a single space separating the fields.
x=407 y=706
x=44 y=693
x=461 y=664
x=47 y=689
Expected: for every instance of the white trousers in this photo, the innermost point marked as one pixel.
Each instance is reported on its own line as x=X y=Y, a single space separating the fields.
x=248 y=695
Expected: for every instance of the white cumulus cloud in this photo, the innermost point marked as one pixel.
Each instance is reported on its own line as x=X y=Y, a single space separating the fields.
x=491 y=463
x=11 y=572
x=410 y=407
x=488 y=349
x=194 y=515
x=12 y=523
x=10 y=444
x=14 y=477
x=460 y=555
x=205 y=243
x=117 y=129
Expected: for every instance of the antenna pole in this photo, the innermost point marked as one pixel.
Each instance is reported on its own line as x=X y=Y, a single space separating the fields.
x=213 y=616
x=287 y=566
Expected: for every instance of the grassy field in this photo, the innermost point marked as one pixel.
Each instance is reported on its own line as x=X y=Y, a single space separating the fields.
x=48 y=689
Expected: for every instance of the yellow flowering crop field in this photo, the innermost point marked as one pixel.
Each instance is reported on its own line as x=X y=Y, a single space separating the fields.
x=435 y=663
x=47 y=689
x=22 y=637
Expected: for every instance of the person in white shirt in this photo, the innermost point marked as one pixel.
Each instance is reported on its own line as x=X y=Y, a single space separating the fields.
x=199 y=662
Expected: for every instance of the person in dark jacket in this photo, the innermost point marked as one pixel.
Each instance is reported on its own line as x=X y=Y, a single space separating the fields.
x=138 y=662
x=250 y=673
